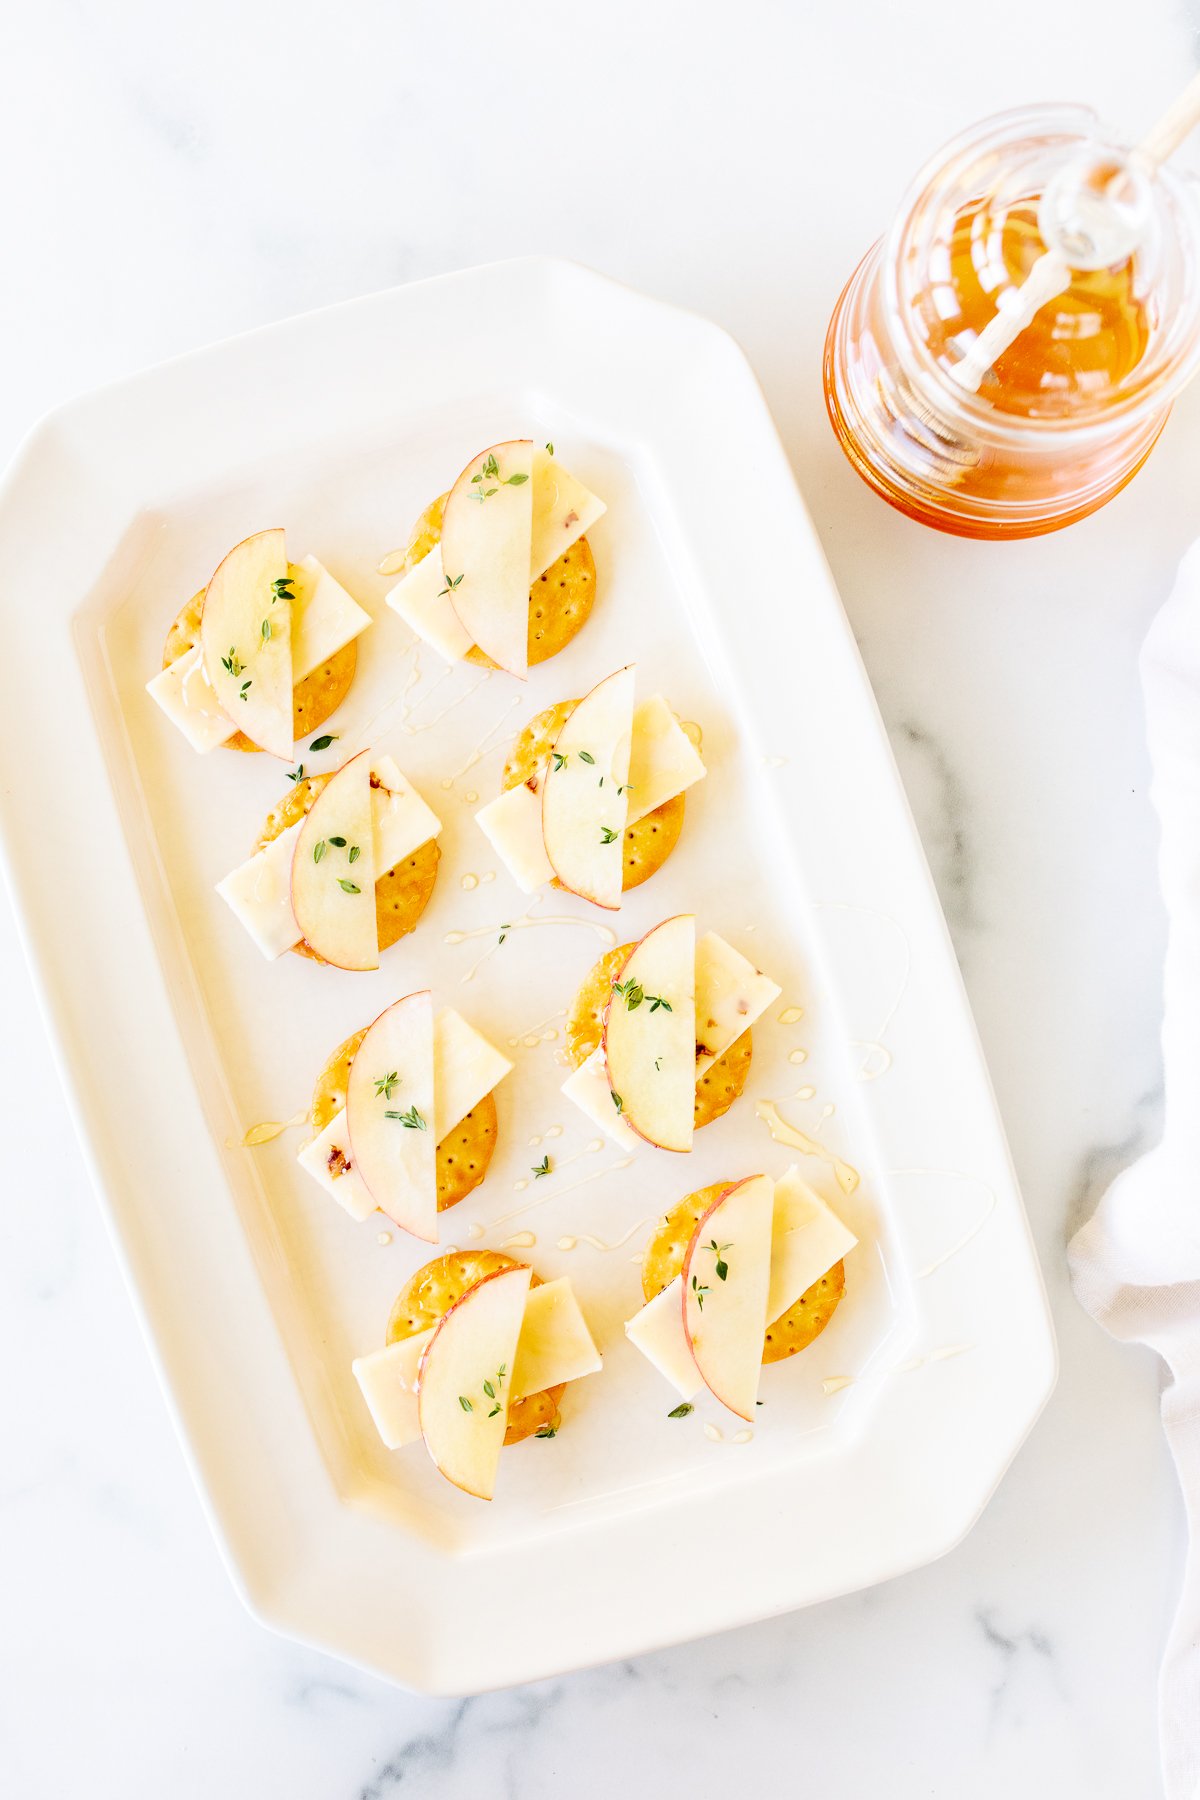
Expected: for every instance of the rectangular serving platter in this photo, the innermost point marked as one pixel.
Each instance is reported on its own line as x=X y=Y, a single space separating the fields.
x=877 y=1448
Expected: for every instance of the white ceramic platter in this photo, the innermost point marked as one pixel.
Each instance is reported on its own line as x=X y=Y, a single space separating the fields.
x=629 y=1530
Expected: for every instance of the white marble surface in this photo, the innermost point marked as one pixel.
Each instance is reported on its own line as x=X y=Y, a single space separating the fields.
x=173 y=180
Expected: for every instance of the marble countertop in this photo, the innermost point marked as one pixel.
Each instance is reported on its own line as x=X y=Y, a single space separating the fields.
x=174 y=179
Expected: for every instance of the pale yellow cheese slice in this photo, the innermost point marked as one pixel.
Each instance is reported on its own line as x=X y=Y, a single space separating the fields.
x=185 y=694
x=512 y=824
x=555 y=1346
x=588 y=1088
x=348 y=1188
x=663 y=761
x=657 y=1331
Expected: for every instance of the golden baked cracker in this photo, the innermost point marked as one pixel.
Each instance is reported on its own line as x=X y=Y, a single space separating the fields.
x=433 y=1290
x=463 y=1154
x=560 y=601
x=314 y=699
x=716 y=1089
x=401 y=893
x=646 y=844
x=793 y=1331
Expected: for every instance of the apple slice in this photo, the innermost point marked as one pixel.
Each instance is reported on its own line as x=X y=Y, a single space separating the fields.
x=487 y=537
x=464 y=1382
x=650 y=1035
x=390 y=1115
x=726 y=1277
x=585 y=789
x=246 y=641
x=333 y=870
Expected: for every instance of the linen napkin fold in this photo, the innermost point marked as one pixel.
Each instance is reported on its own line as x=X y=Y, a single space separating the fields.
x=1135 y=1265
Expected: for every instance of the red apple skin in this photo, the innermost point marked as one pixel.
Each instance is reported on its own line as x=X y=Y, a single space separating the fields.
x=604 y=1040
x=694 y=1243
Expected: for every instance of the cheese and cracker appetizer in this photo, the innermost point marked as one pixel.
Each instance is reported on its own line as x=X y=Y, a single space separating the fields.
x=478 y=1353
x=262 y=655
x=593 y=795
x=343 y=867
x=737 y=1275
x=498 y=571
x=659 y=1034
x=405 y=1117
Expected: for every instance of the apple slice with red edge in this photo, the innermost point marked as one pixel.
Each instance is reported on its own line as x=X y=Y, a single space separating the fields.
x=726 y=1280
x=650 y=1035
x=333 y=870
x=390 y=1115
x=584 y=792
x=246 y=641
x=487 y=539
x=465 y=1379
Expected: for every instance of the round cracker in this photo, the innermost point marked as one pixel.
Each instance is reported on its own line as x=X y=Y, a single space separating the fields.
x=464 y=1153
x=429 y=1294
x=721 y=1082
x=793 y=1331
x=646 y=844
x=314 y=699
x=401 y=893
x=560 y=601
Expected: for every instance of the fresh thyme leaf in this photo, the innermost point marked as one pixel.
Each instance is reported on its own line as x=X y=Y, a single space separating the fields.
x=493 y=1412
x=547 y=1431
x=296 y=774
x=266 y=631
x=631 y=992
x=281 y=589
x=617 y=1101
x=465 y=1403
x=233 y=662
x=348 y=887
x=489 y=1390
x=323 y=742
x=515 y=480
x=608 y=835
x=338 y=843
x=491 y=468
x=450 y=585
x=658 y=1063
x=586 y=756
x=384 y=1085
x=246 y=685
x=557 y=761
x=319 y=850
x=354 y=853
x=549 y=452
x=503 y=932
x=718 y=1251
x=681 y=1411
x=542 y=1168
x=411 y=1120
x=656 y=1000
x=699 y=1291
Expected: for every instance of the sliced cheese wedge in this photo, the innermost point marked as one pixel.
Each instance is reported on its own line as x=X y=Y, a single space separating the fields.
x=563 y=511
x=512 y=824
x=555 y=1346
x=657 y=1331
x=465 y=1068
x=259 y=891
x=324 y=617
x=663 y=760
x=807 y=1240
x=329 y=1161
x=588 y=1088
x=730 y=995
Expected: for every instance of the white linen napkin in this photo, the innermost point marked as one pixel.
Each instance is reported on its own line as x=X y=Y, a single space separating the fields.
x=1135 y=1265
